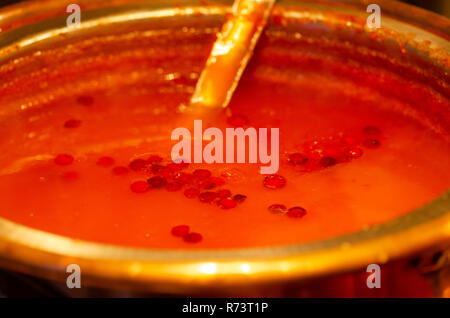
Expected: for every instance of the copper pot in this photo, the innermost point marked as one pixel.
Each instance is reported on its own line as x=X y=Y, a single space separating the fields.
x=296 y=270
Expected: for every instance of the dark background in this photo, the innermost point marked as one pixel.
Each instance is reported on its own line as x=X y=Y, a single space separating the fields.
x=439 y=6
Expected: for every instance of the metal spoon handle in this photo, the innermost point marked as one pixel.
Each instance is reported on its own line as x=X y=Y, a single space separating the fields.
x=231 y=53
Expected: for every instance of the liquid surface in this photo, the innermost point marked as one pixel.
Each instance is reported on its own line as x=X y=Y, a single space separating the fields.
x=351 y=154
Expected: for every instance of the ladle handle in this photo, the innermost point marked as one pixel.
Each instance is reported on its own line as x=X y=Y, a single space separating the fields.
x=231 y=53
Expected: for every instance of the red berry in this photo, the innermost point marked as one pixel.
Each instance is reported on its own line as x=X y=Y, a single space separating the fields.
x=72 y=123
x=371 y=143
x=180 y=230
x=239 y=198
x=191 y=193
x=202 y=173
x=217 y=181
x=139 y=187
x=157 y=182
x=371 y=131
x=328 y=161
x=224 y=193
x=154 y=158
x=138 y=164
x=193 y=237
x=85 y=100
x=119 y=170
x=204 y=184
x=297 y=159
x=162 y=170
x=181 y=162
x=277 y=208
x=274 y=181
x=173 y=186
x=63 y=159
x=207 y=197
x=226 y=203
x=296 y=212
x=209 y=185
x=105 y=161
x=174 y=167
x=333 y=152
x=354 y=153
x=159 y=168
x=184 y=178
x=237 y=120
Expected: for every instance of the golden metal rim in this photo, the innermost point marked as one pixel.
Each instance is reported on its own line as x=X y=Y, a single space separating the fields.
x=45 y=254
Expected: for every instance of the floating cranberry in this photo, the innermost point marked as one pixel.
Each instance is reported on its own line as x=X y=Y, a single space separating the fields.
x=207 y=196
x=277 y=208
x=237 y=120
x=332 y=151
x=184 y=178
x=180 y=230
x=139 y=187
x=138 y=164
x=193 y=237
x=120 y=170
x=202 y=173
x=217 y=181
x=63 y=159
x=157 y=182
x=224 y=193
x=296 y=212
x=173 y=186
x=328 y=161
x=297 y=159
x=85 y=100
x=371 y=143
x=162 y=170
x=105 y=161
x=191 y=193
x=158 y=168
x=181 y=162
x=371 y=131
x=209 y=185
x=72 y=123
x=71 y=175
x=354 y=153
x=226 y=203
x=239 y=198
x=154 y=159
x=204 y=184
x=174 y=167
x=274 y=181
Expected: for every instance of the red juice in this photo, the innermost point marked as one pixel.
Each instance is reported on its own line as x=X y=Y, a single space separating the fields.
x=86 y=150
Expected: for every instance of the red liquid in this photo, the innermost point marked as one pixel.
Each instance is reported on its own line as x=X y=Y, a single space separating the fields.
x=355 y=177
